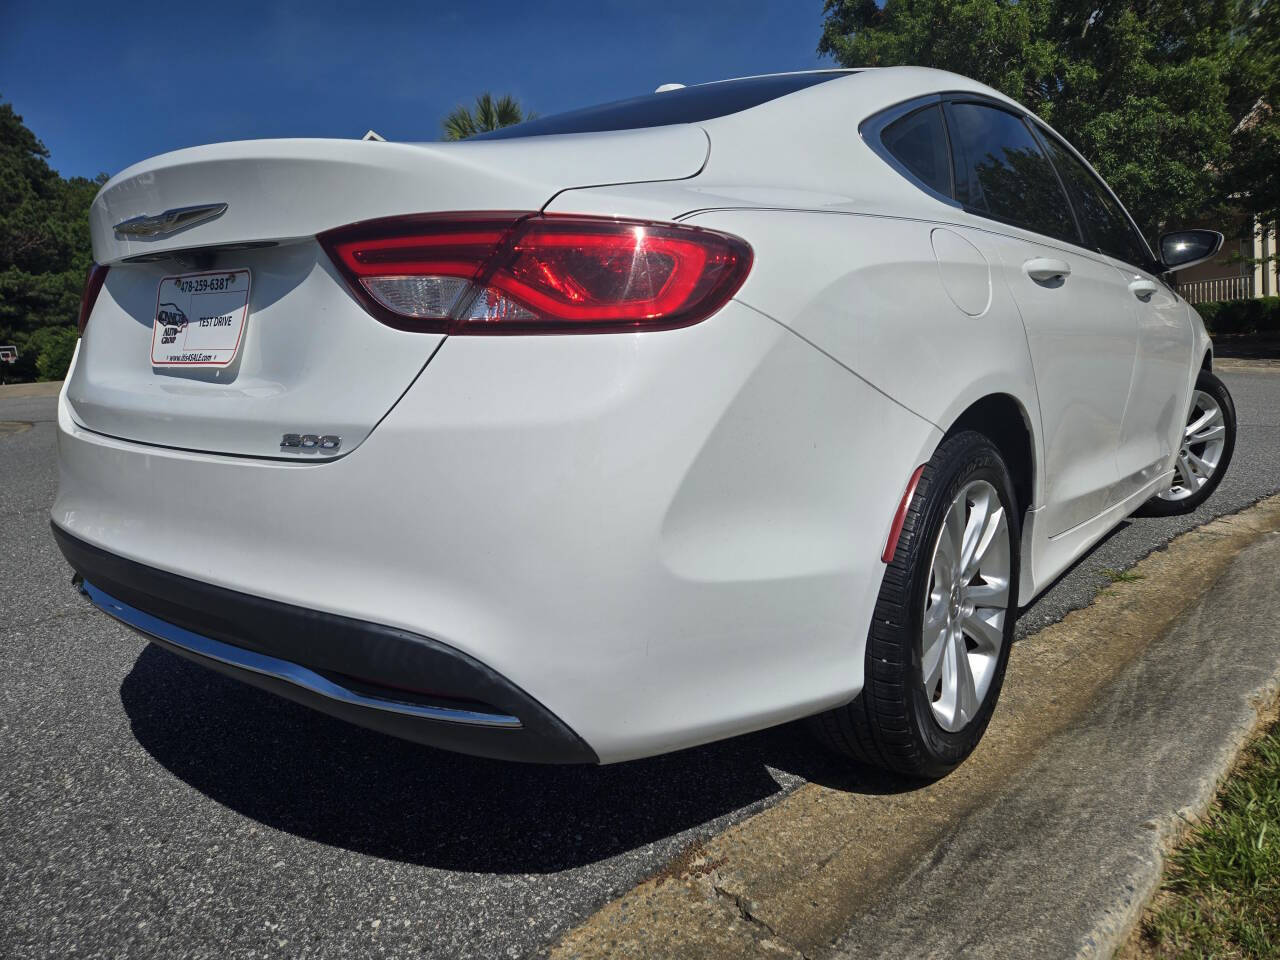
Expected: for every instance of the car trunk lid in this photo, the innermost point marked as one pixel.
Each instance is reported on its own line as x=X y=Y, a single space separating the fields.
x=301 y=358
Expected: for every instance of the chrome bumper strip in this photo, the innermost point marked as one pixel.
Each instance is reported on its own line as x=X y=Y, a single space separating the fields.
x=268 y=666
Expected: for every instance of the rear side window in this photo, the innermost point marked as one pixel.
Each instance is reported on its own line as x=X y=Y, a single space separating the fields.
x=704 y=101
x=1002 y=173
x=918 y=141
x=1103 y=219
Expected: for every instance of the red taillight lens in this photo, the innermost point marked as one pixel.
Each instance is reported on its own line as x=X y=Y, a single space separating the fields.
x=514 y=273
x=93 y=281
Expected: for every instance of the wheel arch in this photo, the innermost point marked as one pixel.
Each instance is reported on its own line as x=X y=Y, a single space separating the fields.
x=1005 y=422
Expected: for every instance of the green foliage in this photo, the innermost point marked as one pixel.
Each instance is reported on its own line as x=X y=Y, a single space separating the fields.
x=1257 y=317
x=1253 y=166
x=1007 y=45
x=1149 y=90
x=54 y=348
x=489 y=114
x=43 y=354
x=44 y=249
x=1222 y=898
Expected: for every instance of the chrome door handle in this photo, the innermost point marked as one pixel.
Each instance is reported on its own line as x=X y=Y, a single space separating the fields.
x=1046 y=269
x=1143 y=289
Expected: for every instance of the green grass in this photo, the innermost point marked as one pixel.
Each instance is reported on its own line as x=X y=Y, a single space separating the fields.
x=1121 y=576
x=1221 y=895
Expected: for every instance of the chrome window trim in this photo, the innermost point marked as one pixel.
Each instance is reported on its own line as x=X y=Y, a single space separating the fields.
x=278 y=669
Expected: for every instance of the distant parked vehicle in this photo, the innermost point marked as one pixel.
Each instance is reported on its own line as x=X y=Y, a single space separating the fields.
x=635 y=427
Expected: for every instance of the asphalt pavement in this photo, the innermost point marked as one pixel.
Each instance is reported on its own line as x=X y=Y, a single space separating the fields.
x=148 y=807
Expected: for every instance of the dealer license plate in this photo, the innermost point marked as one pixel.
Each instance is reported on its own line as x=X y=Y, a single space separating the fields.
x=200 y=319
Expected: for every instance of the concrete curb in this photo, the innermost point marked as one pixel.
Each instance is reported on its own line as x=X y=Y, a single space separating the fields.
x=1050 y=839
x=1074 y=851
x=1243 y=363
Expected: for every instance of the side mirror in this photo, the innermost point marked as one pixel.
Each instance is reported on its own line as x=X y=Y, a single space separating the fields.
x=1186 y=248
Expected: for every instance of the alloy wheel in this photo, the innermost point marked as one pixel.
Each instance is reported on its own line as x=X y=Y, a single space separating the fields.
x=1203 y=441
x=966 y=605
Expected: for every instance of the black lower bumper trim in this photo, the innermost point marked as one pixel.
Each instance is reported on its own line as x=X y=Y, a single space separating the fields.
x=386 y=679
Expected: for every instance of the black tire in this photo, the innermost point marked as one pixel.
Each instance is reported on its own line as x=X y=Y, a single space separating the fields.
x=1159 y=507
x=891 y=724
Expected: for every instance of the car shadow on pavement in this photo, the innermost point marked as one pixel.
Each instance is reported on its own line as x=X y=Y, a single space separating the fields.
x=300 y=771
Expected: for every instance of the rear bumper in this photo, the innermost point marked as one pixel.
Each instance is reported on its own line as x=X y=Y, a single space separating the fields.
x=665 y=538
x=366 y=673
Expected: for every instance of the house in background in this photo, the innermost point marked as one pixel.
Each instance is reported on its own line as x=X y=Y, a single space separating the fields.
x=1244 y=269
x=1247 y=266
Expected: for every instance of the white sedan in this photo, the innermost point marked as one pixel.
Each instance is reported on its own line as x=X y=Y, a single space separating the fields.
x=635 y=427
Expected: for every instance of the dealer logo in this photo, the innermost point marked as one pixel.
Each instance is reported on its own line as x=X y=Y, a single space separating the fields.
x=171 y=317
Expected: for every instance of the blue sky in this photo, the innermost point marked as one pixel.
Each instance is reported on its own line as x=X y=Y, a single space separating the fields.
x=108 y=84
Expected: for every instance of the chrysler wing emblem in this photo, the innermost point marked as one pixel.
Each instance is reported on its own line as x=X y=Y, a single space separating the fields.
x=171 y=221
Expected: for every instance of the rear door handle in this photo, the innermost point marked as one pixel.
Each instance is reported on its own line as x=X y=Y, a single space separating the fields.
x=1143 y=289
x=1046 y=269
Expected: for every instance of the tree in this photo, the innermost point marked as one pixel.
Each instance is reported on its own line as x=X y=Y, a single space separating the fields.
x=489 y=114
x=53 y=348
x=1252 y=169
x=44 y=249
x=1149 y=90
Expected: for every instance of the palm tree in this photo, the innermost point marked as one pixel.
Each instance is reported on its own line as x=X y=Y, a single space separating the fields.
x=489 y=114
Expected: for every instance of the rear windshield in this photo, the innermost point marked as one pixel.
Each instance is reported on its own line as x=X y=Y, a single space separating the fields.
x=686 y=105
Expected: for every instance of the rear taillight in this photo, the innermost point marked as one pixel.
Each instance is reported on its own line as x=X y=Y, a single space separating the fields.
x=92 y=287
x=524 y=273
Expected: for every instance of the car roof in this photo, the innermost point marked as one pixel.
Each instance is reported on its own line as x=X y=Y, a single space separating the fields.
x=669 y=105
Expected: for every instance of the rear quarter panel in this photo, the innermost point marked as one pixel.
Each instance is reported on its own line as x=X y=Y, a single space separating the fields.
x=919 y=310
